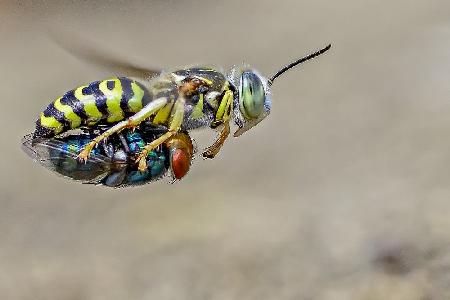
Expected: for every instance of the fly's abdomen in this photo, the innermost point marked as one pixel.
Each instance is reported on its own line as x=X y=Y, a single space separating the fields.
x=108 y=100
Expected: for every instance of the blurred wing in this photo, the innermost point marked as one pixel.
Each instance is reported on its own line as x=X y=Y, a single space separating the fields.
x=50 y=153
x=89 y=52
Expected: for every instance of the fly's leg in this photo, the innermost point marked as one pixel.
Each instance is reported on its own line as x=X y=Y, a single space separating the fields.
x=222 y=117
x=131 y=122
x=126 y=148
x=174 y=128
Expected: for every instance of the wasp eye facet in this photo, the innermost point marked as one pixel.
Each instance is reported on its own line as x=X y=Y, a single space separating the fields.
x=251 y=95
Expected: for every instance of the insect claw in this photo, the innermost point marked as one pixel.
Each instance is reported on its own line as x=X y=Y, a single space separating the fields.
x=142 y=165
x=83 y=157
x=84 y=154
x=141 y=161
x=208 y=154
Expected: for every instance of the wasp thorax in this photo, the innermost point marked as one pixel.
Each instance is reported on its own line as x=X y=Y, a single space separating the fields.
x=251 y=95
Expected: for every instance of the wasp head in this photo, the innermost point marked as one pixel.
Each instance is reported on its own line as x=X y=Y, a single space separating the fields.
x=253 y=101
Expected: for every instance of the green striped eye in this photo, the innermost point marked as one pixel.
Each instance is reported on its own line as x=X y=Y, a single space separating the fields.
x=251 y=95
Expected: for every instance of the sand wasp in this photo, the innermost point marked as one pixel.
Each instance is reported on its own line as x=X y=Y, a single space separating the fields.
x=177 y=101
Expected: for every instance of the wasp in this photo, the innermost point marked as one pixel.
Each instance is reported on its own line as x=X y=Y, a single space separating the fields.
x=178 y=101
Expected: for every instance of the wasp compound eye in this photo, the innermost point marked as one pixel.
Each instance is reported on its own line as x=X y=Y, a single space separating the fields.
x=251 y=95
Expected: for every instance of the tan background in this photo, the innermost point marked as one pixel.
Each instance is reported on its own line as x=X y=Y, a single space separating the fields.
x=342 y=193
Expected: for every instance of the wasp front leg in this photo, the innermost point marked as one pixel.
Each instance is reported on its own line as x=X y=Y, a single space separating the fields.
x=174 y=127
x=212 y=150
x=222 y=117
x=131 y=122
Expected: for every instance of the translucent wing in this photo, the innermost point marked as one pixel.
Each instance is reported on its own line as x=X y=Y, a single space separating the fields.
x=54 y=155
x=88 y=51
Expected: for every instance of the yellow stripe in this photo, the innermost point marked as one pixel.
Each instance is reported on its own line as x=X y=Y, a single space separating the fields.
x=227 y=100
x=229 y=108
x=197 y=112
x=135 y=103
x=113 y=99
x=163 y=114
x=69 y=114
x=90 y=108
x=52 y=123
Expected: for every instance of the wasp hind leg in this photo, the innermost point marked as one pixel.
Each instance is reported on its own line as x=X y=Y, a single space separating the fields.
x=131 y=122
x=174 y=128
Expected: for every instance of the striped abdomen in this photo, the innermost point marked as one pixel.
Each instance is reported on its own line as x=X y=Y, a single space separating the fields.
x=108 y=100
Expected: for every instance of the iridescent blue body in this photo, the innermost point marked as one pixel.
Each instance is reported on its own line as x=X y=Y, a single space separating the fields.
x=111 y=164
x=122 y=173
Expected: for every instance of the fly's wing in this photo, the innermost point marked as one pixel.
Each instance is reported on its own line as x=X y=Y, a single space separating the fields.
x=51 y=154
x=88 y=51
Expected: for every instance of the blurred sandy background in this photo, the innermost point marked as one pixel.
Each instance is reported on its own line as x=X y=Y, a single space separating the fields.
x=343 y=193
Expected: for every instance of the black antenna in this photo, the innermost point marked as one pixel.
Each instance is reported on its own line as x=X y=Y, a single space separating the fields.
x=297 y=62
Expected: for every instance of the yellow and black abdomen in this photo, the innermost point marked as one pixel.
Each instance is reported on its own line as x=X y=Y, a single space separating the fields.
x=108 y=100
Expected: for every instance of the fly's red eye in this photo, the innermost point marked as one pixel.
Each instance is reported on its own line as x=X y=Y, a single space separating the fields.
x=180 y=163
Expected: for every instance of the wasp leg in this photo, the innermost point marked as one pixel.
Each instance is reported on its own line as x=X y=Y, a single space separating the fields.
x=222 y=117
x=174 y=128
x=212 y=150
x=131 y=122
